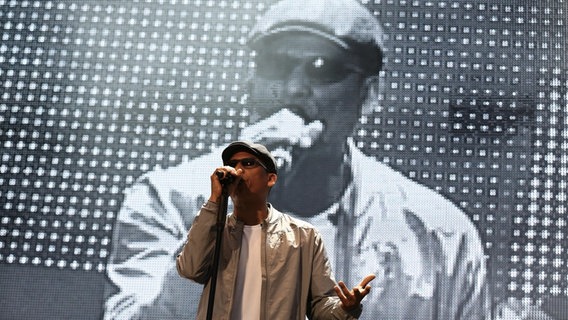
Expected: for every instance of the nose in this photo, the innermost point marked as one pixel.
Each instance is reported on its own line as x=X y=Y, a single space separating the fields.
x=298 y=94
x=297 y=84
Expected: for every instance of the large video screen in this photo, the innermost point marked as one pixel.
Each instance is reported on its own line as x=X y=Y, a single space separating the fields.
x=113 y=114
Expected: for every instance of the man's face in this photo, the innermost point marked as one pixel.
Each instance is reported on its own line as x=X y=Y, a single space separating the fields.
x=305 y=75
x=314 y=78
x=255 y=181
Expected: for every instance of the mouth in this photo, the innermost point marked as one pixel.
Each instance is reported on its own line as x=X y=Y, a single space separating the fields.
x=307 y=113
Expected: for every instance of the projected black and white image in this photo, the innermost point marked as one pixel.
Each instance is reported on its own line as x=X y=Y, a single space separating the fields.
x=425 y=140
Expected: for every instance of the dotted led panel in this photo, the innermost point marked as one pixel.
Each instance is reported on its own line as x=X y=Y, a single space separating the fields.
x=94 y=94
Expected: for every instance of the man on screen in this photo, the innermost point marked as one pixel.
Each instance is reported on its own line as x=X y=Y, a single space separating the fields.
x=317 y=65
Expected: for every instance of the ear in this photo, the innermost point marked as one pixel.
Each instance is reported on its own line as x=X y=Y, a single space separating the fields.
x=370 y=90
x=272 y=177
x=370 y=86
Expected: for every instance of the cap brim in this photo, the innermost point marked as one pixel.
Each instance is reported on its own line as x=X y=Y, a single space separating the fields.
x=238 y=146
x=299 y=28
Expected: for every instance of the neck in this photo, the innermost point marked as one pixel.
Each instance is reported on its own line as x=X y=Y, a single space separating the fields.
x=251 y=215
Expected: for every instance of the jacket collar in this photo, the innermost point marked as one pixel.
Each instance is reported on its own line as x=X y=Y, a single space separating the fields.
x=273 y=216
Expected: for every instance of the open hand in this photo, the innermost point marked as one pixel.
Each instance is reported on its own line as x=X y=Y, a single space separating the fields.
x=352 y=298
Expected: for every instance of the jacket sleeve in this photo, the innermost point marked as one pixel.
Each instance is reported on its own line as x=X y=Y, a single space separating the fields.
x=148 y=232
x=150 y=229
x=325 y=303
x=194 y=260
x=426 y=252
x=463 y=291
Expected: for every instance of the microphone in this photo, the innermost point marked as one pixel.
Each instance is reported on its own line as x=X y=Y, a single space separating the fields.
x=225 y=178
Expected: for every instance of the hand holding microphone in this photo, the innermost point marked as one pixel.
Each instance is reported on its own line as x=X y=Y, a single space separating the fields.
x=223 y=177
x=284 y=127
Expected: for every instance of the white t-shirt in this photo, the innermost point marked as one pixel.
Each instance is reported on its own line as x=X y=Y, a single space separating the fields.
x=246 y=304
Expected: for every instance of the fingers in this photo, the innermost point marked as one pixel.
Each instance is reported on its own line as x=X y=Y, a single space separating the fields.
x=352 y=298
x=339 y=292
x=344 y=290
x=366 y=280
x=363 y=288
x=284 y=128
x=227 y=170
x=272 y=127
x=219 y=174
x=345 y=295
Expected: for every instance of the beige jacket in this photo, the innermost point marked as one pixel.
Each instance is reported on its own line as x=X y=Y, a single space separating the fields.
x=296 y=280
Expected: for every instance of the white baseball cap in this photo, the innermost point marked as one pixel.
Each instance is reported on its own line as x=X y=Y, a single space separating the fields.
x=347 y=23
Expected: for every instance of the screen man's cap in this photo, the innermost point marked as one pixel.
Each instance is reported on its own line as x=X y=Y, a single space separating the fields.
x=347 y=23
x=256 y=149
